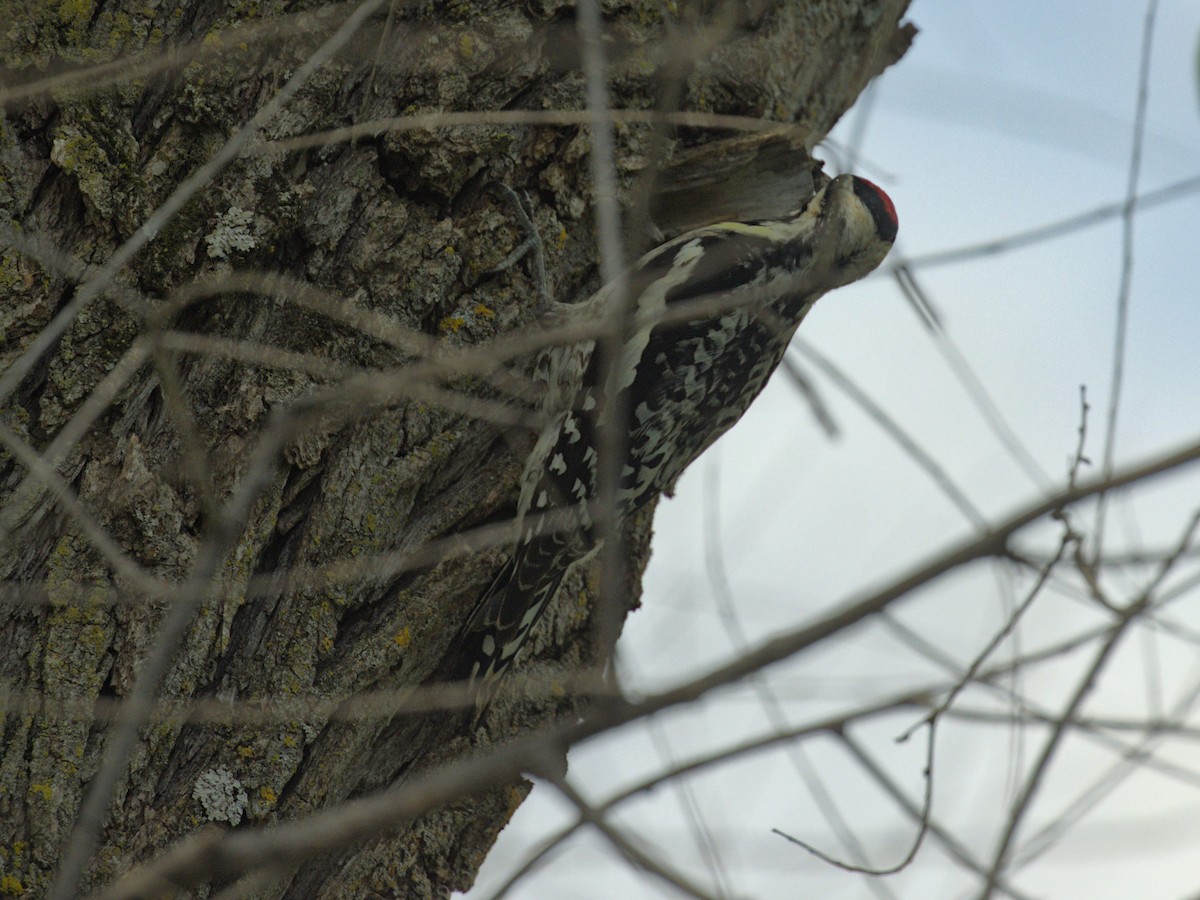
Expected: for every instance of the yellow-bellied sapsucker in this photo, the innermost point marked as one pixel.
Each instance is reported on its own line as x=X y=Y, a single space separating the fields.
x=685 y=380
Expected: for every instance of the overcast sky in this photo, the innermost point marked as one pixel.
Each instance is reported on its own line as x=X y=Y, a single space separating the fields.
x=1002 y=117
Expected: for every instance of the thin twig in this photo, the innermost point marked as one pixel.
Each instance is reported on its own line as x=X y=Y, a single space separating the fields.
x=1177 y=190
x=768 y=700
x=530 y=117
x=922 y=818
x=1128 y=218
x=611 y=438
x=965 y=373
x=894 y=430
x=626 y=847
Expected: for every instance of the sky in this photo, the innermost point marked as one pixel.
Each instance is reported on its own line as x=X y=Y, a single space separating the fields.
x=1001 y=118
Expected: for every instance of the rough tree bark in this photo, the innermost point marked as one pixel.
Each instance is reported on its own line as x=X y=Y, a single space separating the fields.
x=400 y=224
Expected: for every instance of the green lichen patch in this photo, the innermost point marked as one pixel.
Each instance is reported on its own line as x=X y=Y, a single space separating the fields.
x=94 y=144
x=233 y=233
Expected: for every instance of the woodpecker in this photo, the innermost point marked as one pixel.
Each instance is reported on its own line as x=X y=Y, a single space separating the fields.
x=682 y=381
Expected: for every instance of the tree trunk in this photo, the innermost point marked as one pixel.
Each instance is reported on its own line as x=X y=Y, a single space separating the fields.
x=152 y=404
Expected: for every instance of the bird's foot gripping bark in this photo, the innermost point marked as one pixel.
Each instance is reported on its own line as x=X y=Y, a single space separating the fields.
x=532 y=245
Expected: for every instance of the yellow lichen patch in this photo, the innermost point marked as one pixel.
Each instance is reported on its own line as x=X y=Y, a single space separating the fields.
x=440 y=445
x=75 y=14
x=485 y=312
x=515 y=798
x=245 y=752
x=45 y=790
x=10 y=886
x=122 y=30
x=466 y=46
x=78 y=154
x=268 y=794
x=451 y=324
x=403 y=637
x=14 y=273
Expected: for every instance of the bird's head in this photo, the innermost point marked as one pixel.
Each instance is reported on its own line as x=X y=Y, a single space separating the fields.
x=857 y=226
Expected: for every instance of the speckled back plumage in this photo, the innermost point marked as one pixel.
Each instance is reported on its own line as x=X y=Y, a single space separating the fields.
x=685 y=383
